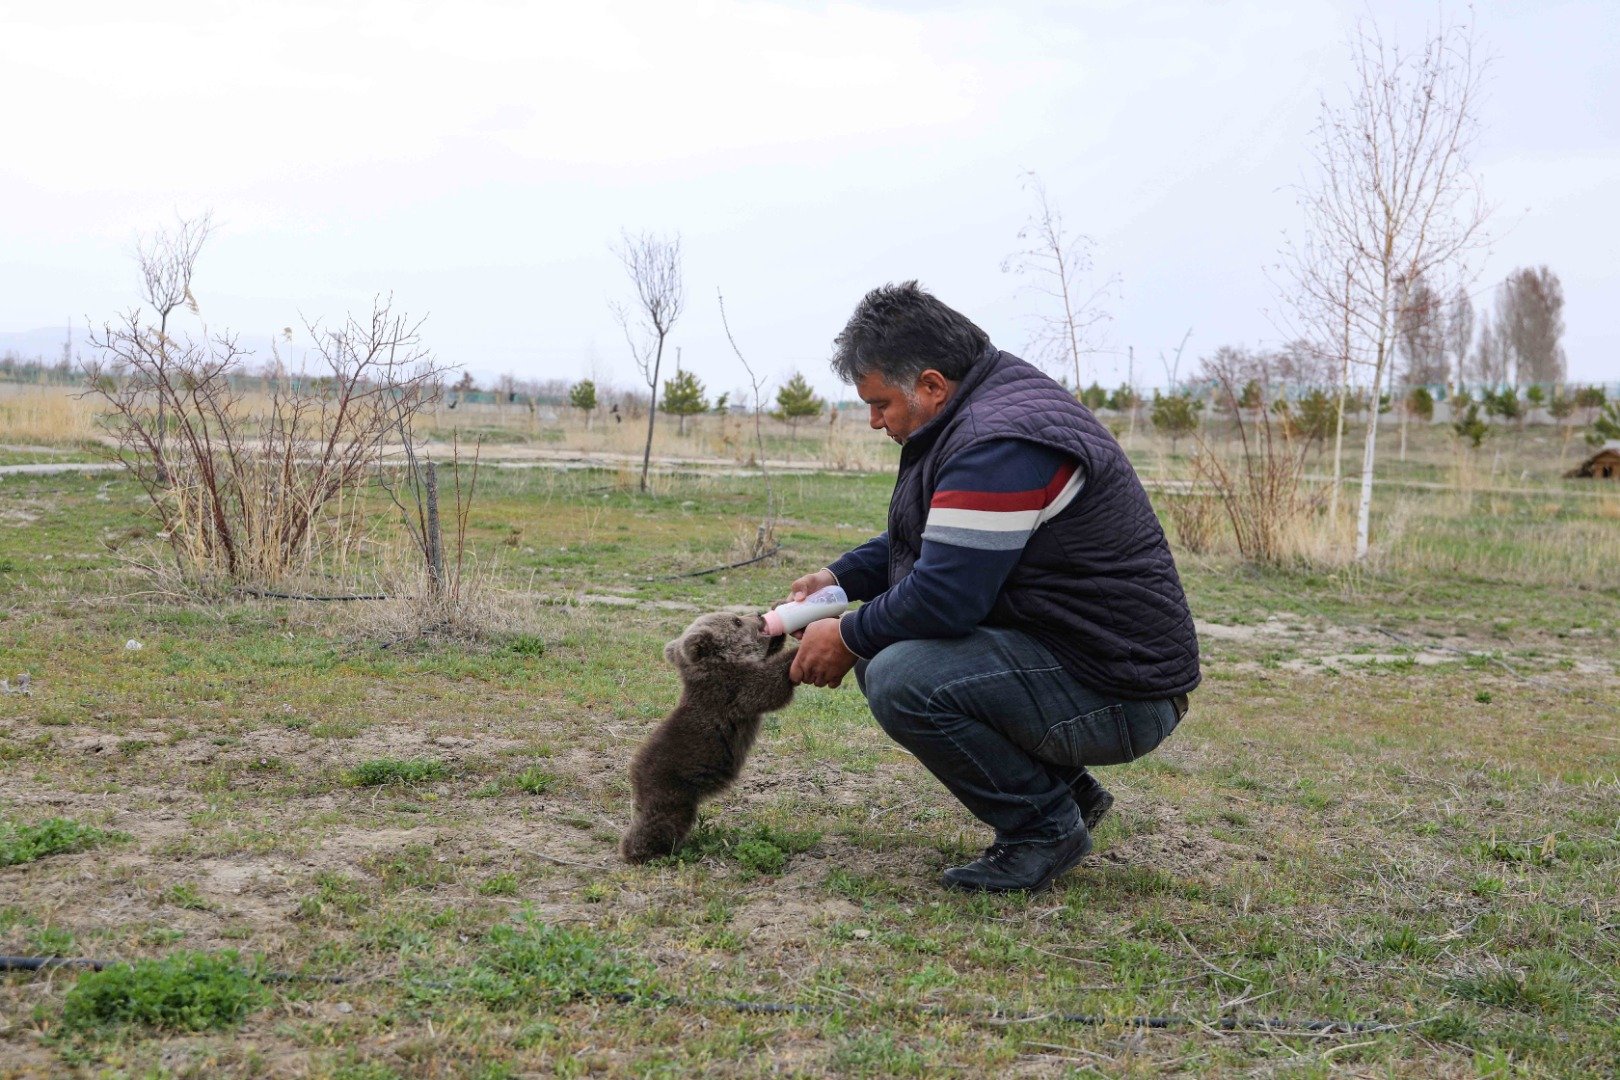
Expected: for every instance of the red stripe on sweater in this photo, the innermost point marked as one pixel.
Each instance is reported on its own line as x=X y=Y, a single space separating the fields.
x=1004 y=501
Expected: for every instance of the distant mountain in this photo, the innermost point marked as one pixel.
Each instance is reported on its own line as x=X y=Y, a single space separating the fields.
x=44 y=344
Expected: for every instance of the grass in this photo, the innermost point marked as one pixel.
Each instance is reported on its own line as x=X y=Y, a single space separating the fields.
x=392 y=771
x=53 y=836
x=187 y=991
x=1396 y=798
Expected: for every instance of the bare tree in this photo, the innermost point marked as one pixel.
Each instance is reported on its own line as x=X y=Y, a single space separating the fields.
x=765 y=535
x=1422 y=335
x=1057 y=264
x=239 y=493
x=1493 y=361
x=1459 y=335
x=1395 y=200
x=167 y=260
x=1532 y=313
x=654 y=265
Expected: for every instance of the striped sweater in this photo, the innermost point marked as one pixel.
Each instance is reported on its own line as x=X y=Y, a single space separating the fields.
x=987 y=503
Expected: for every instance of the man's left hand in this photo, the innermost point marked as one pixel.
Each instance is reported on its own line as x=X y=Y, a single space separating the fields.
x=822 y=659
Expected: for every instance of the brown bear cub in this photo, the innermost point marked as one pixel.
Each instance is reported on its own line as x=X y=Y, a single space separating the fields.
x=730 y=676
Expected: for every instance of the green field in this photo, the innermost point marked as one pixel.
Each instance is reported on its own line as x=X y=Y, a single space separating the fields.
x=1395 y=802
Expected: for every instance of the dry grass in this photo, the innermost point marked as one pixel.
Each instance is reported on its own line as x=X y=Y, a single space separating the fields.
x=48 y=415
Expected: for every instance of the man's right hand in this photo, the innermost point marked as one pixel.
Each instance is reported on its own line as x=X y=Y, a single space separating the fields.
x=808 y=584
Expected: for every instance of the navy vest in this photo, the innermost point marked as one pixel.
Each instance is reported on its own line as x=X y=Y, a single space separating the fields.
x=1096 y=585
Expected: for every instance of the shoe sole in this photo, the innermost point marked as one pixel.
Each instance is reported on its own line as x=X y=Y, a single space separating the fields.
x=1098 y=810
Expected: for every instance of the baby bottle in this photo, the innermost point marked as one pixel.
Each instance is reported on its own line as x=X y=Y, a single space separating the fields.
x=796 y=615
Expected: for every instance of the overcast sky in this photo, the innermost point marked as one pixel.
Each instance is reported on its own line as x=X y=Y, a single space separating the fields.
x=476 y=159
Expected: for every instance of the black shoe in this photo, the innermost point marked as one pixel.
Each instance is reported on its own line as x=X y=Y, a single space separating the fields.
x=1093 y=799
x=1020 y=867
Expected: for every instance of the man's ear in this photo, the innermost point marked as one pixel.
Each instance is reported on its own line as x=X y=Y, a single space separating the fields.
x=934 y=388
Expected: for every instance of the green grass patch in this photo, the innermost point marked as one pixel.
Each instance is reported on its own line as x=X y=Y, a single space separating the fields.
x=187 y=991
x=764 y=849
x=536 y=781
x=396 y=771
x=530 y=963
x=53 y=836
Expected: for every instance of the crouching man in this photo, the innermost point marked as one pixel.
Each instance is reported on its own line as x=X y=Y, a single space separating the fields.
x=1023 y=618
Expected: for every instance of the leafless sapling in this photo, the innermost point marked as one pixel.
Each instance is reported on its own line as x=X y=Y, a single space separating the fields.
x=1057 y=265
x=1394 y=198
x=653 y=264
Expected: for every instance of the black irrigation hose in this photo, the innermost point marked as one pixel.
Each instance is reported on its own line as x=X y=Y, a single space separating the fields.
x=264 y=594
x=718 y=569
x=1277 y=1025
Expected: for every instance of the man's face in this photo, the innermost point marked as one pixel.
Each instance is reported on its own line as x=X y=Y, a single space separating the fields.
x=898 y=412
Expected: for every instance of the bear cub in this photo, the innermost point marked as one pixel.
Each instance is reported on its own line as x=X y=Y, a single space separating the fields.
x=730 y=676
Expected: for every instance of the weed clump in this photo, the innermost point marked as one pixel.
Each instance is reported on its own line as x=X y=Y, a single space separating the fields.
x=188 y=991
x=763 y=849
x=536 y=781
x=53 y=836
x=530 y=963
x=530 y=645
x=395 y=771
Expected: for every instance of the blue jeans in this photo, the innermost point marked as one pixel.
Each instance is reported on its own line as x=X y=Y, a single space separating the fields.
x=1002 y=725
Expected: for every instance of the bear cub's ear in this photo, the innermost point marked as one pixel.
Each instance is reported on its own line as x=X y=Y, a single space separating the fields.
x=692 y=647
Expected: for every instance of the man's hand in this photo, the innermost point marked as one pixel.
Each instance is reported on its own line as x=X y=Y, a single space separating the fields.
x=810 y=583
x=822 y=659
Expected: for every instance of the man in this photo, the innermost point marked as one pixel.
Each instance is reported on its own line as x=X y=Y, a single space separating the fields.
x=1023 y=618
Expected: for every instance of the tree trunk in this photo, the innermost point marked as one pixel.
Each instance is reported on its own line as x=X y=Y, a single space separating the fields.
x=1368 y=455
x=435 y=538
x=652 y=413
x=1405 y=419
x=1338 y=429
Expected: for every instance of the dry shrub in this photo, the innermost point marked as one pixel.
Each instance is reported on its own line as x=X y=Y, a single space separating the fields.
x=1260 y=486
x=249 y=489
x=1197 y=521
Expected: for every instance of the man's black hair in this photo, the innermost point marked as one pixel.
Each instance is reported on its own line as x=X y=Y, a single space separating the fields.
x=899 y=332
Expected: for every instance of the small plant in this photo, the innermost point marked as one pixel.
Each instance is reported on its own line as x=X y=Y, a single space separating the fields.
x=1605 y=425
x=683 y=397
x=1469 y=426
x=1406 y=941
x=527 y=645
x=536 y=781
x=1420 y=403
x=185 y=895
x=334 y=896
x=188 y=991
x=394 y=771
x=795 y=401
x=760 y=848
x=582 y=396
x=499 y=885
x=53 y=836
x=761 y=856
x=1175 y=415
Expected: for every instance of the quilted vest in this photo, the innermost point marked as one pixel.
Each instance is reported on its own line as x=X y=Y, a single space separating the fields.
x=1096 y=585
